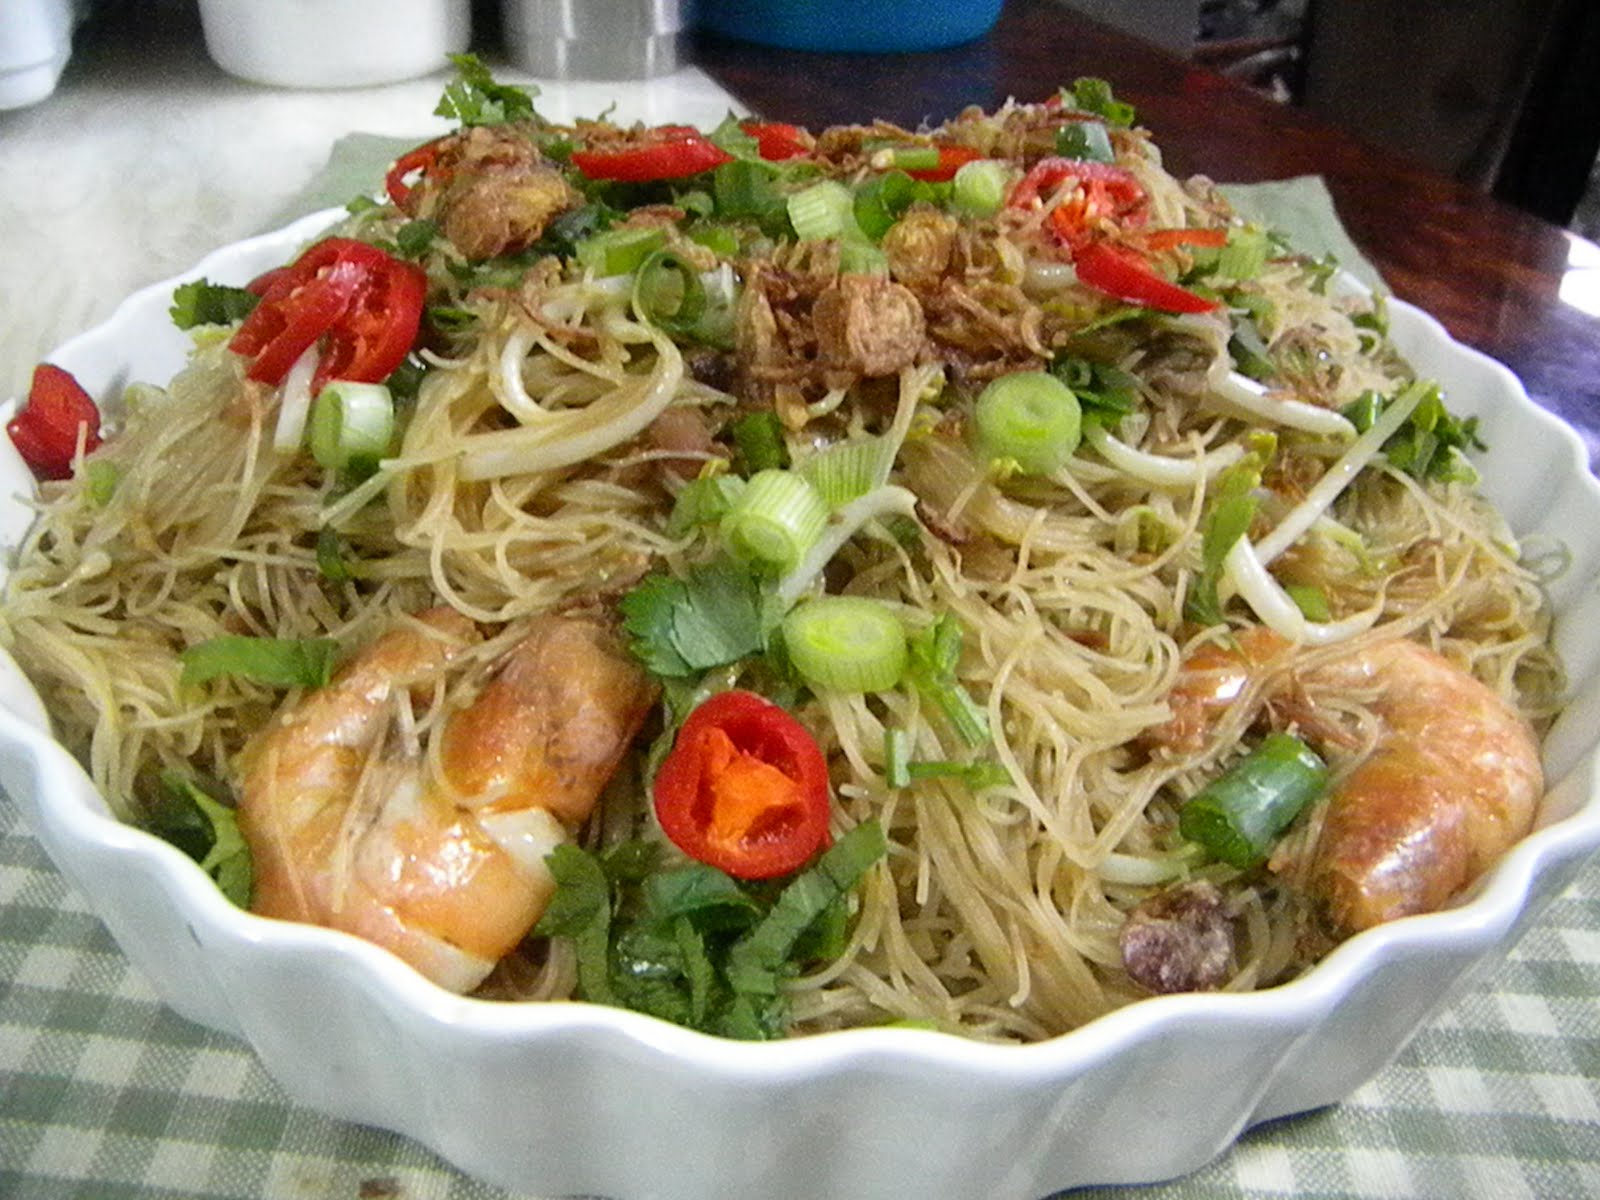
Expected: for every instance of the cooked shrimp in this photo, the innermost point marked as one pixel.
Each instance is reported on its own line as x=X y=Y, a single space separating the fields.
x=1450 y=783
x=438 y=858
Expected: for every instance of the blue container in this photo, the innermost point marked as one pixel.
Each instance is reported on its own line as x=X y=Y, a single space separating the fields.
x=856 y=26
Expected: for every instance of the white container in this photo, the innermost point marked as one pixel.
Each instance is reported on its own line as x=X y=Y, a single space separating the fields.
x=333 y=43
x=35 y=40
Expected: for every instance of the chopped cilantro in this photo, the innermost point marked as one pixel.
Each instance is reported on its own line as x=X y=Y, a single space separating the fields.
x=476 y=99
x=1431 y=445
x=692 y=945
x=201 y=302
x=1092 y=95
x=710 y=617
x=207 y=830
x=276 y=662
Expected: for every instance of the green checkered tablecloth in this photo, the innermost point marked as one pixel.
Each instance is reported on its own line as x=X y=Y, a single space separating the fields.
x=104 y=1093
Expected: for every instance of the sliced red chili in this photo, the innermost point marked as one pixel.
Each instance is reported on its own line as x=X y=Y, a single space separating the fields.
x=45 y=429
x=1166 y=239
x=1105 y=191
x=666 y=152
x=951 y=160
x=422 y=161
x=1122 y=274
x=367 y=304
x=745 y=788
x=776 y=142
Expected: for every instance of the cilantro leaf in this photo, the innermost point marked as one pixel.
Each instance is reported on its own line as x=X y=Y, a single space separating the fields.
x=476 y=99
x=201 y=302
x=679 y=627
x=581 y=910
x=208 y=831
x=276 y=662
x=1092 y=95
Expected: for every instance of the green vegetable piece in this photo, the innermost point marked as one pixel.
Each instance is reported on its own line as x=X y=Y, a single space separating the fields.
x=822 y=210
x=619 y=251
x=226 y=855
x=1232 y=509
x=703 y=501
x=581 y=910
x=275 y=662
x=1030 y=417
x=933 y=657
x=758 y=439
x=331 y=563
x=1312 y=601
x=1237 y=816
x=201 y=302
x=979 y=187
x=1092 y=95
x=352 y=424
x=846 y=644
x=102 y=480
x=775 y=520
x=756 y=963
x=1086 y=140
x=474 y=98
x=414 y=237
x=679 y=627
x=667 y=292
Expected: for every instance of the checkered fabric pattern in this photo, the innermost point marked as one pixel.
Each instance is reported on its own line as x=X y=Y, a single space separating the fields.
x=106 y=1095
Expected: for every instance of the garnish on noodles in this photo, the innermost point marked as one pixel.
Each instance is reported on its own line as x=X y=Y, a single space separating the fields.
x=783 y=580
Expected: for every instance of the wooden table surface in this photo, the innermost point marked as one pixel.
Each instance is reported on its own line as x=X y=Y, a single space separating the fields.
x=1491 y=273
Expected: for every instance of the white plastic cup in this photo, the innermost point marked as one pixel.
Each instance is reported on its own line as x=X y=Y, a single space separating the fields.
x=35 y=41
x=333 y=43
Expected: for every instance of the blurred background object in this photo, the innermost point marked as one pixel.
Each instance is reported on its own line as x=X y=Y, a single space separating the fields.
x=35 y=42
x=333 y=43
x=595 y=39
x=873 y=26
x=1501 y=95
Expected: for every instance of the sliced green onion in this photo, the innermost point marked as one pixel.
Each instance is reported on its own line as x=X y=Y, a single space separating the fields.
x=102 y=478
x=721 y=240
x=935 y=653
x=823 y=210
x=889 y=156
x=980 y=186
x=331 y=564
x=776 y=519
x=351 y=423
x=668 y=292
x=897 y=757
x=276 y=662
x=1245 y=254
x=846 y=644
x=1030 y=417
x=857 y=256
x=619 y=251
x=1311 y=600
x=848 y=470
x=1237 y=816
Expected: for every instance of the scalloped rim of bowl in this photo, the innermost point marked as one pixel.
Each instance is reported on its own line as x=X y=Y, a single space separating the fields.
x=210 y=960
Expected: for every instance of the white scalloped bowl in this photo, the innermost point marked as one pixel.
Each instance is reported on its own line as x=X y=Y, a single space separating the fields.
x=573 y=1098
